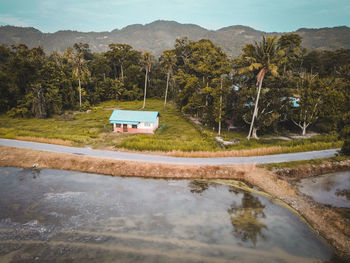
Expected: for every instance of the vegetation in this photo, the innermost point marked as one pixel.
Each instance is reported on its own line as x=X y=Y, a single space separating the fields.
x=274 y=86
x=295 y=164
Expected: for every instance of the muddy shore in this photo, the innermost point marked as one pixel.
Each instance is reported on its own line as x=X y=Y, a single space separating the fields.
x=326 y=221
x=304 y=171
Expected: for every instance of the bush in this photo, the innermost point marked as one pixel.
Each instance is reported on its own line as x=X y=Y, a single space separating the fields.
x=18 y=113
x=345 y=149
x=345 y=133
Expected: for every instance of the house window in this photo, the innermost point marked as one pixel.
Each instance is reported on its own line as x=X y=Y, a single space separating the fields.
x=117 y=125
x=147 y=124
x=134 y=126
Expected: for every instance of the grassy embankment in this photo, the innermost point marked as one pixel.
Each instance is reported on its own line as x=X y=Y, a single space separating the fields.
x=176 y=135
x=297 y=164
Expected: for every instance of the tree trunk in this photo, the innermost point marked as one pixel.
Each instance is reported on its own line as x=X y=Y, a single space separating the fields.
x=166 y=89
x=254 y=135
x=255 y=108
x=220 y=108
x=79 y=93
x=219 y=130
x=144 y=93
x=304 y=129
x=115 y=71
x=122 y=71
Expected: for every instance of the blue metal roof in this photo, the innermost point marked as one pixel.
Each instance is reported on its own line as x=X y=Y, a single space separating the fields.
x=133 y=116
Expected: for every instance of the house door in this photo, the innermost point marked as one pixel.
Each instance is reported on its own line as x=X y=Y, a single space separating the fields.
x=125 y=128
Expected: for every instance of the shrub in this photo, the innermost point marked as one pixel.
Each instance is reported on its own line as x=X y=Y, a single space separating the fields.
x=345 y=149
x=345 y=133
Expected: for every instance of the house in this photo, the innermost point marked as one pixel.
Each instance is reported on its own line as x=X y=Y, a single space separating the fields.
x=134 y=121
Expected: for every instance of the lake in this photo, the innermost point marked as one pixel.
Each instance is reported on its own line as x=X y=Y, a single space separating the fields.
x=63 y=216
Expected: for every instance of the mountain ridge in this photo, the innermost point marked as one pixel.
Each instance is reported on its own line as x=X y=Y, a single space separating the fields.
x=160 y=35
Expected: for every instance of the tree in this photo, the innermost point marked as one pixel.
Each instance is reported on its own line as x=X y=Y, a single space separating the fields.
x=80 y=69
x=168 y=61
x=310 y=99
x=146 y=61
x=118 y=54
x=345 y=135
x=262 y=56
x=290 y=44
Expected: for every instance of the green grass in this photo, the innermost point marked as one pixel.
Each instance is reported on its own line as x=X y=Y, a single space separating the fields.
x=295 y=164
x=319 y=142
x=176 y=132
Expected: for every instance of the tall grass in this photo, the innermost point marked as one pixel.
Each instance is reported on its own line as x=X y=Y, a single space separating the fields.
x=178 y=136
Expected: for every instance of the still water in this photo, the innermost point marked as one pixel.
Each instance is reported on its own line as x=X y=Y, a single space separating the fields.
x=331 y=189
x=63 y=216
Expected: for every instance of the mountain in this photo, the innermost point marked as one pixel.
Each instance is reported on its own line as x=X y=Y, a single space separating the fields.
x=160 y=35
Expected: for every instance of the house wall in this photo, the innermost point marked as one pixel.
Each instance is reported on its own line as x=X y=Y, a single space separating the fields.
x=133 y=130
x=141 y=128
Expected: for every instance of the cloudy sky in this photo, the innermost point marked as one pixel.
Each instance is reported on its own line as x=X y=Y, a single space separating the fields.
x=106 y=15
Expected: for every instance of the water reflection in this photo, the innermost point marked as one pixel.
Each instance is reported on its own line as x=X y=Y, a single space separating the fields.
x=35 y=173
x=116 y=219
x=198 y=187
x=246 y=219
x=331 y=189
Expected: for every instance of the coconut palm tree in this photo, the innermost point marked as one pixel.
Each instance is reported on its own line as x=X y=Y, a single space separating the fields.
x=262 y=56
x=167 y=61
x=146 y=61
x=80 y=69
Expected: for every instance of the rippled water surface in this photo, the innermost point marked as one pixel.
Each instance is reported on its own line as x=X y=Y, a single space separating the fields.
x=63 y=216
x=331 y=189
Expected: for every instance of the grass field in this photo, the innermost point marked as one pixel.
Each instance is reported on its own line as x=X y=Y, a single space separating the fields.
x=176 y=135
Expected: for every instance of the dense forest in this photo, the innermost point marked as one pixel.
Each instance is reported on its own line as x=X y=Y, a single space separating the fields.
x=274 y=85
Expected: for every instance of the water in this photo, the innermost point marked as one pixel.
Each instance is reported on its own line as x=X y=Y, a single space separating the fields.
x=331 y=189
x=63 y=216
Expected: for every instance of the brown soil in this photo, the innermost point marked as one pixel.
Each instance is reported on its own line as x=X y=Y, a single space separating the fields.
x=328 y=222
x=309 y=170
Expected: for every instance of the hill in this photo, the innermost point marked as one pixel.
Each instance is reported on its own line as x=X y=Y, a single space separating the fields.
x=160 y=35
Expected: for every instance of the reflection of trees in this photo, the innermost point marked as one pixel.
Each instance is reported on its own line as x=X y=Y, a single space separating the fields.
x=198 y=186
x=35 y=173
x=245 y=218
x=343 y=192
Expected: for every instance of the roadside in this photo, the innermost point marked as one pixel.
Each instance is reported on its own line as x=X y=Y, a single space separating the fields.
x=181 y=136
x=170 y=159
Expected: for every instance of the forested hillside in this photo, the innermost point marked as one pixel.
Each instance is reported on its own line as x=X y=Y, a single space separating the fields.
x=160 y=35
x=274 y=85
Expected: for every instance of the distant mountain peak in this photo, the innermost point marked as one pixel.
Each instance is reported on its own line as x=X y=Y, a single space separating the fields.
x=160 y=35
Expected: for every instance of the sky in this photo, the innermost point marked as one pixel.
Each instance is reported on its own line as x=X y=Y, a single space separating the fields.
x=106 y=15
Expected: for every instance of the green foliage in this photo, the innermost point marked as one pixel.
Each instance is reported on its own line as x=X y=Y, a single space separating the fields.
x=345 y=150
x=296 y=164
x=35 y=84
x=178 y=134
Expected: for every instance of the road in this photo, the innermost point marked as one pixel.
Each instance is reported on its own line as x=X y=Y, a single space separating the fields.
x=126 y=156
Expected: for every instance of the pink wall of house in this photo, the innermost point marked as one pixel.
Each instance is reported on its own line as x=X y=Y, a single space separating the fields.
x=141 y=128
x=134 y=130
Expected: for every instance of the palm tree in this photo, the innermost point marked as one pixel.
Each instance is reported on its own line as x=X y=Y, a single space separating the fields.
x=80 y=69
x=168 y=61
x=147 y=59
x=262 y=56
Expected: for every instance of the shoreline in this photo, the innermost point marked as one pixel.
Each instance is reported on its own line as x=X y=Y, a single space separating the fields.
x=324 y=220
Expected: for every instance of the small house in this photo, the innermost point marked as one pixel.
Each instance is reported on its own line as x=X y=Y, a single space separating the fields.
x=130 y=121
